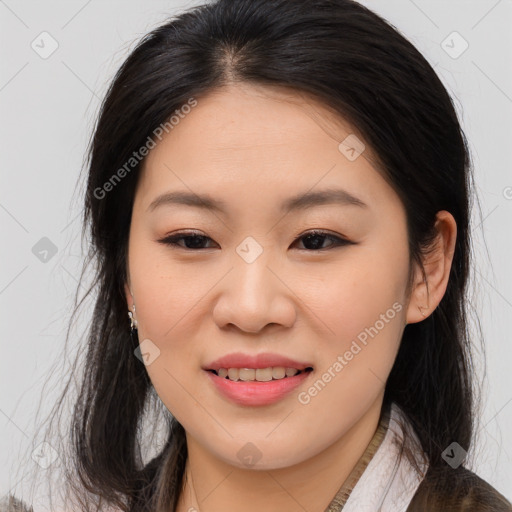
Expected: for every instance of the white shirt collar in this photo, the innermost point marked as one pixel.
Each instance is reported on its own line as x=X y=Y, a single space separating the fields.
x=389 y=482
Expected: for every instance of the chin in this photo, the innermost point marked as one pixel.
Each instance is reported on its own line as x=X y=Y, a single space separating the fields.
x=258 y=457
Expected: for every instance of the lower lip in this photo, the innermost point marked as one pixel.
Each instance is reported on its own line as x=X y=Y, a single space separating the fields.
x=257 y=393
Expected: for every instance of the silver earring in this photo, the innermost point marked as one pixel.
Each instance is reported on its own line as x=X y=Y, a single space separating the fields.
x=133 y=321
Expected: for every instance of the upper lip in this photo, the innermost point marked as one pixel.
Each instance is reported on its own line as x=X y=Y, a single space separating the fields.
x=264 y=360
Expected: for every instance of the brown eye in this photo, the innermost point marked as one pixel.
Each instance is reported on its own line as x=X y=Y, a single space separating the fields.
x=192 y=240
x=314 y=240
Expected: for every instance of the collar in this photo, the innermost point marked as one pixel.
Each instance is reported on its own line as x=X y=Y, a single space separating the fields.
x=383 y=480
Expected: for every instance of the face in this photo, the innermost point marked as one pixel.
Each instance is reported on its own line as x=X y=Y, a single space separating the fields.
x=321 y=283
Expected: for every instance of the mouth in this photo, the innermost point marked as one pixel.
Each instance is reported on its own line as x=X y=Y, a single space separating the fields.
x=259 y=374
x=252 y=387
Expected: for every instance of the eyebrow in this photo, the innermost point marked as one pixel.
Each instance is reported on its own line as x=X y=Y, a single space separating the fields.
x=299 y=202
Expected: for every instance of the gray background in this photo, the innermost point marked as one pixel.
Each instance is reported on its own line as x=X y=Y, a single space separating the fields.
x=48 y=106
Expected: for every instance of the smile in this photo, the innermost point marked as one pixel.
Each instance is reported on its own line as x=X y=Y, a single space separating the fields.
x=258 y=374
x=254 y=392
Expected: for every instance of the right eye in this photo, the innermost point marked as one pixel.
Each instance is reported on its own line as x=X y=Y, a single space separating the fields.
x=193 y=240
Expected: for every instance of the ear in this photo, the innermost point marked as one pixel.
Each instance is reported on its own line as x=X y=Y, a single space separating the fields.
x=427 y=292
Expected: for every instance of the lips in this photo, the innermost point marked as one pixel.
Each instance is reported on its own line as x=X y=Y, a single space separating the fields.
x=254 y=392
x=263 y=360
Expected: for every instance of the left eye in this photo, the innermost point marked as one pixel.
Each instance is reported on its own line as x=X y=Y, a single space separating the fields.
x=313 y=239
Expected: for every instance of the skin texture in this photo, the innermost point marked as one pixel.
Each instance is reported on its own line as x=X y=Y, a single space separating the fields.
x=253 y=147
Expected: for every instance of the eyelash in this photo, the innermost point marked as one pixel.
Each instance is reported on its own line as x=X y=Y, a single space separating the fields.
x=173 y=239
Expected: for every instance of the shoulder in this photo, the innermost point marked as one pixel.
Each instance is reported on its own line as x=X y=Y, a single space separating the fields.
x=9 y=503
x=457 y=490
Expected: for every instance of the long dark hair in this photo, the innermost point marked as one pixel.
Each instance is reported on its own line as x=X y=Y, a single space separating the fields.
x=361 y=67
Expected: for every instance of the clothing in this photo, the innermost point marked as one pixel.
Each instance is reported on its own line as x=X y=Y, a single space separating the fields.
x=382 y=481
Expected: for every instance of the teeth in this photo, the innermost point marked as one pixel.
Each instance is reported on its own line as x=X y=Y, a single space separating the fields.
x=263 y=374
x=246 y=374
x=259 y=374
x=278 y=372
x=233 y=374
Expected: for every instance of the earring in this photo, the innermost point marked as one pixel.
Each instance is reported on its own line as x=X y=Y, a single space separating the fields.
x=134 y=337
x=420 y=309
x=133 y=321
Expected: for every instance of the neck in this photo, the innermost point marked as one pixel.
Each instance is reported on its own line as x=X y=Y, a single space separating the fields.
x=211 y=484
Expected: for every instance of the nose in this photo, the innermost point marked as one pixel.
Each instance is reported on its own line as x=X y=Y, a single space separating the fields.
x=254 y=295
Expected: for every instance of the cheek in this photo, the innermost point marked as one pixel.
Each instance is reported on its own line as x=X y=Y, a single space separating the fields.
x=362 y=304
x=359 y=292
x=172 y=308
x=166 y=291
x=168 y=301
x=365 y=320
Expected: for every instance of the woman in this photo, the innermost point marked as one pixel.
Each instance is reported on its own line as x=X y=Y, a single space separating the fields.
x=278 y=196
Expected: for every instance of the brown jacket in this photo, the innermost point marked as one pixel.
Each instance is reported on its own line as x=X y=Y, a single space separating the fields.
x=457 y=490
x=446 y=490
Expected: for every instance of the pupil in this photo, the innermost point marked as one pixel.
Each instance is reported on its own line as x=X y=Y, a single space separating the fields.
x=197 y=238
x=313 y=237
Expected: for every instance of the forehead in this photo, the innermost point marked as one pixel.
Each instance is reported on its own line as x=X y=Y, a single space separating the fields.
x=249 y=139
x=244 y=117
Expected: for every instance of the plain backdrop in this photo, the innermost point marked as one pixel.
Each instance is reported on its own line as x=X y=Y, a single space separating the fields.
x=48 y=104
